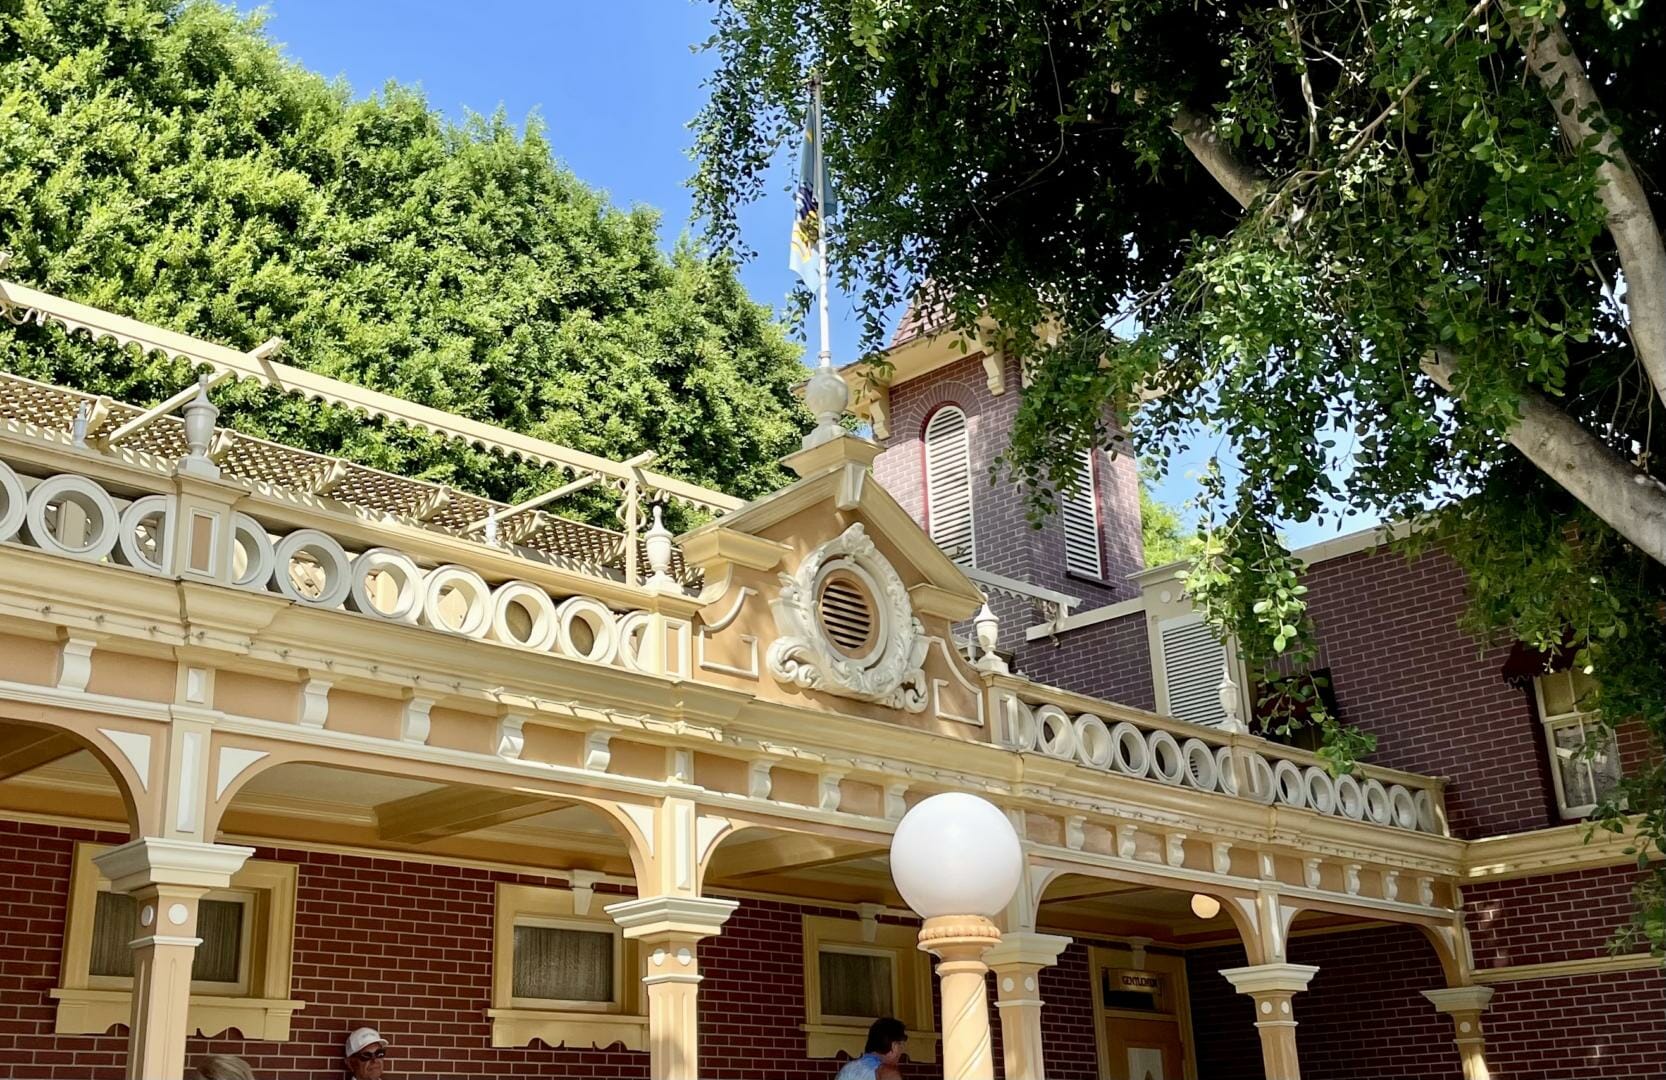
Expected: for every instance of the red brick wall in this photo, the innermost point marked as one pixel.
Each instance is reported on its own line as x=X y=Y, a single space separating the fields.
x=1111 y=660
x=1403 y=671
x=1004 y=540
x=406 y=947
x=1597 y=1027
x=1544 y=920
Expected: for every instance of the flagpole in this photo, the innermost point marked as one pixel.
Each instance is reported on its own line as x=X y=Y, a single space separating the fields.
x=821 y=222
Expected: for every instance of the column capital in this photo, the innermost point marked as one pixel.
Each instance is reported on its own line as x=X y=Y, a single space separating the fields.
x=684 y=916
x=1458 y=999
x=1025 y=948
x=1270 y=978
x=154 y=860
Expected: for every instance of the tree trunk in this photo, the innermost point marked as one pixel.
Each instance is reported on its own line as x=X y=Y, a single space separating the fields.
x=1551 y=58
x=1629 y=499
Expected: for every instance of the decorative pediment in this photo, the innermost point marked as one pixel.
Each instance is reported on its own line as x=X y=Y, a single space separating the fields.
x=846 y=625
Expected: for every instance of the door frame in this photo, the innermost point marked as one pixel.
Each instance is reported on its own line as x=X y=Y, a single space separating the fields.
x=1170 y=965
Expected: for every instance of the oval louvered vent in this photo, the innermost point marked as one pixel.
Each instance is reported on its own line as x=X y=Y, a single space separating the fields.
x=847 y=615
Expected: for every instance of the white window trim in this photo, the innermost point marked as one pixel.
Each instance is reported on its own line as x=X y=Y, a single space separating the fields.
x=589 y=926
x=827 y=1036
x=1586 y=720
x=859 y=950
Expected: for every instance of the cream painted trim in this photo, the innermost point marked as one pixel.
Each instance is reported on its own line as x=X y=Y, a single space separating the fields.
x=623 y=1020
x=1082 y=620
x=826 y=1038
x=1556 y=850
x=95 y=1012
x=1567 y=969
x=264 y=1013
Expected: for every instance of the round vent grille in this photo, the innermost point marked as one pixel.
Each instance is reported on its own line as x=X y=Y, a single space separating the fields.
x=846 y=613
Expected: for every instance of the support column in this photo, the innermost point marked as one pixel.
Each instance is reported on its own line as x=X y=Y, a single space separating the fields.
x=166 y=878
x=1465 y=1004
x=960 y=942
x=1271 y=986
x=1017 y=962
x=670 y=929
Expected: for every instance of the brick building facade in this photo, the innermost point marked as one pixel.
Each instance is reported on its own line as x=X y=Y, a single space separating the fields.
x=388 y=797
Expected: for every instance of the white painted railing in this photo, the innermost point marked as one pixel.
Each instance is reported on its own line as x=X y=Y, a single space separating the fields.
x=1127 y=742
x=76 y=517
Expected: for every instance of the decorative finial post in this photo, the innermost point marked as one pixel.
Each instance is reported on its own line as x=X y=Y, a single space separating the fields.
x=1230 y=706
x=827 y=397
x=988 y=629
x=200 y=416
x=657 y=541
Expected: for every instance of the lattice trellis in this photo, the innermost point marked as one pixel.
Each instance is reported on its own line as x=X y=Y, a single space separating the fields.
x=53 y=409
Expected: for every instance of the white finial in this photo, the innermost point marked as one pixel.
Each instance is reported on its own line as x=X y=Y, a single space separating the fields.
x=988 y=629
x=657 y=541
x=78 y=430
x=1230 y=708
x=827 y=397
x=200 y=415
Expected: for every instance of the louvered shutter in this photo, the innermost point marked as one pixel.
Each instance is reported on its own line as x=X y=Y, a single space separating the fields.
x=949 y=484
x=1081 y=522
x=1192 y=665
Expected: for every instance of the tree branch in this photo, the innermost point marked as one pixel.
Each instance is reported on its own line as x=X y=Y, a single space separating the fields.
x=1630 y=221
x=1241 y=181
x=1626 y=497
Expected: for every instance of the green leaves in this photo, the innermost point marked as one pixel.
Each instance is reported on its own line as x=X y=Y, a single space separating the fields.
x=168 y=163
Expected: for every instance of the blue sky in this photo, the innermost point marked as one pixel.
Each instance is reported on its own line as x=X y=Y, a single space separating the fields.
x=615 y=84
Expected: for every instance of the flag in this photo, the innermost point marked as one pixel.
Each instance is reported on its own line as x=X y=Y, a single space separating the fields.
x=813 y=202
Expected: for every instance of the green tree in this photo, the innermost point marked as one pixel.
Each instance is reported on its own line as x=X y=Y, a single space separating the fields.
x=167 y=162
x=1165 y=535
x=1411 y=246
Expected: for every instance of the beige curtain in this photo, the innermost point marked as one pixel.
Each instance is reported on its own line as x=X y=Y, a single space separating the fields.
x=557 y=964
x=855 y=984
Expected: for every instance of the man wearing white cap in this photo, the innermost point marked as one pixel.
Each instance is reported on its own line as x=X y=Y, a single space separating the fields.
x=366 y=1054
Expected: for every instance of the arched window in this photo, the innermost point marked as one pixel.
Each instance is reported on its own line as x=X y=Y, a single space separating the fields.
x=949 y=483
x=1081 y=523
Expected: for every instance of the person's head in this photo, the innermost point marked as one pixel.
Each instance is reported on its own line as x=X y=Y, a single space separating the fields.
x=888 y=1038
x=221 y=1067
x=365 y=1054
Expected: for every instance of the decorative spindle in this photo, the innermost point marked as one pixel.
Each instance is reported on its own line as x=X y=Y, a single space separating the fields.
x=988 y=629
x=657 y=542
x=200 y=416
x=1233 y=721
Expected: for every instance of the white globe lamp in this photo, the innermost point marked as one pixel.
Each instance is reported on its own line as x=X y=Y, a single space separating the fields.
x=957 y=862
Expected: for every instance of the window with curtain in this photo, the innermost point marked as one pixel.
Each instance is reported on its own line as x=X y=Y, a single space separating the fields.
x=949 y=484
x=560 y=963
x=218 y=959
x=1080 y=515
x=1584 y=758
x=856 y=984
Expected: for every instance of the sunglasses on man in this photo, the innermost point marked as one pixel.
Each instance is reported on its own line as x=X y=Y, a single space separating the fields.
x=370 y=1055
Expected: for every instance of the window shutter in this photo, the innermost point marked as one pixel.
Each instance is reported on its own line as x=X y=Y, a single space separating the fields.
x=1081 y=523
x=1192 y=664
x=949 y=484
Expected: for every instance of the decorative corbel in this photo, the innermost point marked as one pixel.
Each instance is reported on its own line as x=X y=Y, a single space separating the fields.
x=1126 y=840
x=1174 y=849
x=1075 y=831
x=315 y=702
x=583 y=884
x=759 y=782
x=1350 y=878
x=896 y=801
x=1221 y=851
x=597 y=754
x=828 y=793
x=511 y=736
x=995 y=370
x=414 y=721
x=75 y=663
x=1311 y=870
x=869 y=914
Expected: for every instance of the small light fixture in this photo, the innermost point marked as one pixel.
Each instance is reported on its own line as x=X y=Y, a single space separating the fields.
x=1205 y=907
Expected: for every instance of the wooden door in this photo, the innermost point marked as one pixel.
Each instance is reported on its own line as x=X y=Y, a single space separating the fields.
x=1145 y=1049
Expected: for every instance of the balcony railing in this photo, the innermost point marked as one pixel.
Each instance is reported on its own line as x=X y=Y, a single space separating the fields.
x=1098 y=735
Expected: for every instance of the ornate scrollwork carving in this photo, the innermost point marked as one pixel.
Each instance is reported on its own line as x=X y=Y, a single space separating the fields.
x=891 y=671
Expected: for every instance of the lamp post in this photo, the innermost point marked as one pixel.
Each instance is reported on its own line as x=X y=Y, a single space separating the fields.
x=957 y=863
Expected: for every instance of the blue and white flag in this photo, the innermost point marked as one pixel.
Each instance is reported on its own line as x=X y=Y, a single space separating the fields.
x=813 y=201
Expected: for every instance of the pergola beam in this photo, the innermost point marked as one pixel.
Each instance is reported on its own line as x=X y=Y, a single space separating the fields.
x=453 y=810
x=587 y=480
x=23 y=749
